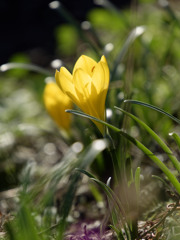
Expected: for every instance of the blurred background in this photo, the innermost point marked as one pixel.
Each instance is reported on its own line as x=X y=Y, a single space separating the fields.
x=44 y=35
x=30 y=27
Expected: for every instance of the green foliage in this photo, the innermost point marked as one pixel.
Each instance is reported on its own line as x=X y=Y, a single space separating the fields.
x=19 y=58
x=67 y=39
x=141 y=45
x=103 y=19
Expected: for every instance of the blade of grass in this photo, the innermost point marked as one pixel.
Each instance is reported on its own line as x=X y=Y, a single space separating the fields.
x=81 y=114
x=169 y=10
x=86 y=157
x=8 y=66
x=144 y=149
x=67 y=203
x=118 y=210
x=112 y=196
x=105 y=187
x=27 y=224
x=69 y=162
x=176 y=138
x=167 y=150
x=152 y=107
x=119 y=234
x=63 y=12
x=11 y=232
x=107 y=136
x=155 y=159
x=137 y=180
x=164 y=182
x=136 y=32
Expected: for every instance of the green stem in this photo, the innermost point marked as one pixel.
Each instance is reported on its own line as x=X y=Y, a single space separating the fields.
x=112 y=152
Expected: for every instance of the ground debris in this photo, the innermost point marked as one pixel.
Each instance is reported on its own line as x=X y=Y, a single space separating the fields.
x=89 y=231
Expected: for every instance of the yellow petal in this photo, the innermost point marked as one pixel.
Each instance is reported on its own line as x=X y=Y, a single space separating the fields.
x=82 y=83
x=98 y=78
x=65 y=72
x=100 y=81
x=63 y=76
x=105 y=67
x=85 y=63
x=89 y=100
x=103 y=59
x=65 y=82
x=56 y=102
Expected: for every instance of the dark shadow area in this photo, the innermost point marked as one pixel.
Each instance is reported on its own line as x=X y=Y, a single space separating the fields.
x=29 y=26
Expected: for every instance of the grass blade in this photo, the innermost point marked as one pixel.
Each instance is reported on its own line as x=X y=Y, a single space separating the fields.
x=136 y=32
x=164 y=182
x=155 y=159
x=137 y=180
x=93 y=118
x=118 y=211
x=167 y=150
x=176 y=138
x=31 y=67
x=154 y=108
x=86 y=158
x=63 y=12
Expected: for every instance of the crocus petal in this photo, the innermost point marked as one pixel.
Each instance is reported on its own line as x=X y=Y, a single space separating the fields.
x=85 y=63
x=64 y=81
x=63 y=71
x=103 y=59
x=104 y=65
x=89 y=101
x=100 y=80
x=100 y=77
x=101 y=105
x=56 y=102
x=82 y=82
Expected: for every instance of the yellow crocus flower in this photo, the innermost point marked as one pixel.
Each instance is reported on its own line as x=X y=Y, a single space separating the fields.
x=56 y=102
x=87 y=86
